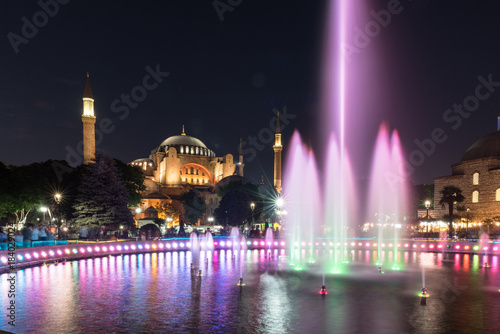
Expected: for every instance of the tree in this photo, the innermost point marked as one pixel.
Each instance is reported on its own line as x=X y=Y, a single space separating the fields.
x=234 y=208
x=194 y=205
x=133 y=180
x=167 y=210
x=488 y=222
x=450 y=196
x=102 y=197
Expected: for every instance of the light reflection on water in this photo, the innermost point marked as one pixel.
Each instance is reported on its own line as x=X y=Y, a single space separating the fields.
x=157 y=293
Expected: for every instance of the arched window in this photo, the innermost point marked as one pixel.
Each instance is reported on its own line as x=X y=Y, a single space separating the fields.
x=475 y=179
x=192 y=150
x=182 y=149
x=497 y=195
x=475 y=196
x=192 y=170
x=197 y=150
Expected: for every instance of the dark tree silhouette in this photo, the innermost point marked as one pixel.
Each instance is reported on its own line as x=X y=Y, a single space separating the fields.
x=450 y=196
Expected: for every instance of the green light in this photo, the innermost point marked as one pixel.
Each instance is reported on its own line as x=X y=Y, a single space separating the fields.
x=476 y=248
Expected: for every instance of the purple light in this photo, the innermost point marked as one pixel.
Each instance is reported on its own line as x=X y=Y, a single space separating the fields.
x=222 y=243
x=139 y=246
x=189 y=244
x=125 y=247
x=168 y=246
x=147 y=246
x=229 y=243
x=133 y=247
x=19 y=257
x=175 y=245
x=276 y=243
x=160 y=245
x=181 y=244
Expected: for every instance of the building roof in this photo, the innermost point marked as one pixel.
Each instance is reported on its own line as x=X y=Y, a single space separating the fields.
x=183 y=140
x=88 y=91
x=485 y=147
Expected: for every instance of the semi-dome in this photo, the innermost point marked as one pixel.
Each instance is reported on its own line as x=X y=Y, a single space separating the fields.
x=486 y=147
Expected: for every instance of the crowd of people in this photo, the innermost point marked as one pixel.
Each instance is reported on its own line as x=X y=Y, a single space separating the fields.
x=32 y=233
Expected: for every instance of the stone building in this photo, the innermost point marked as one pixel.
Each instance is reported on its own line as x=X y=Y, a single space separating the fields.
x=478 y=175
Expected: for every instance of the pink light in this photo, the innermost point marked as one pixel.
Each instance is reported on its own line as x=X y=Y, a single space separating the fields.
x=82 y=250
x=161 y=246
x=133 y=247
x=168 y=246
x=181 y=244
x=262 y=243
x=407 y=245
x=28 y=256
x=222 y=243
x=36 y=255
x=139 y=246
x=242 y=243
x=390 y=245
x=431 y=246
x=495 y=248
x=96 y=249
x=111 y=248
x=414 y=246
x=276 y=243
x=59 y=252
x=147 y=246
x=255 y=243
x=89 y=249
x=67 y=251
x=4 y=259
x=367 y=245
x=104 y=249
x=360 y=244
x=399 y=245
x=422 y=246
x=44 y=254
x=75 y=251
x=485 y=248
x=175 y=245
x=269 y=243
x=51 y=253
x=317 y=244
x=383 y=245
x=282 y=243
x=440 y=246
x=19 y=257
x=216 y=243
x=229 y=243
x=457 y=247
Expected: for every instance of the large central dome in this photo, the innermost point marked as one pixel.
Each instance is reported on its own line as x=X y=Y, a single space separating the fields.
x=183 y=140
x=486 y=147
x=185 y=144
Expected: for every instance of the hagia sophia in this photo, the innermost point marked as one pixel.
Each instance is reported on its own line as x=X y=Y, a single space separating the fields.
x=178 y=164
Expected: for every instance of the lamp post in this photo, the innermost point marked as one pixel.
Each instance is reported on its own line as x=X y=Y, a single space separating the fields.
x=252 y=206
x=43 y=209
x=468 y=210
x=211 y=220
x=57 y=198
x=427 y=206
x=137 y=212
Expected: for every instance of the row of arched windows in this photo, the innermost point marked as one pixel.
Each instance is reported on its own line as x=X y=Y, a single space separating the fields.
x=475 y=196
x=185 y=149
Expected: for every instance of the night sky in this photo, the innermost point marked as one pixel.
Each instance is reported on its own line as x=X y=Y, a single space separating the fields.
x=225 y=77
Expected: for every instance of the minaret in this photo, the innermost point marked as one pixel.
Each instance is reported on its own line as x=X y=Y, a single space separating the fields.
x=88 y=119
x=183 y=133
x=240 y=163
x=277 y=147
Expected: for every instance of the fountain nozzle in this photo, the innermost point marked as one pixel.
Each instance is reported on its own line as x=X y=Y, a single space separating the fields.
x=240 y=282
x=423 y=297
x=323 y=290
x=199 y=273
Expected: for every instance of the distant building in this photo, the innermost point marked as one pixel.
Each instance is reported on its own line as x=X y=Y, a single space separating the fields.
x=478 y=175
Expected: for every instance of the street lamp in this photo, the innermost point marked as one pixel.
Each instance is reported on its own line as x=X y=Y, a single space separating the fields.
x=427 y=206
x=57 y=198
x=252 y=206
x=43 y=209
x=468 y=210
x=137 y=212
x=211 y=220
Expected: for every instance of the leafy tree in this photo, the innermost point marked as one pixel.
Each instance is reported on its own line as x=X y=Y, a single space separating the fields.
x=133 y=180
x=167 y=209
x=194 y=205
x=489 y=223
x=102 y=197
x=450 y=196
x=234 y=208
